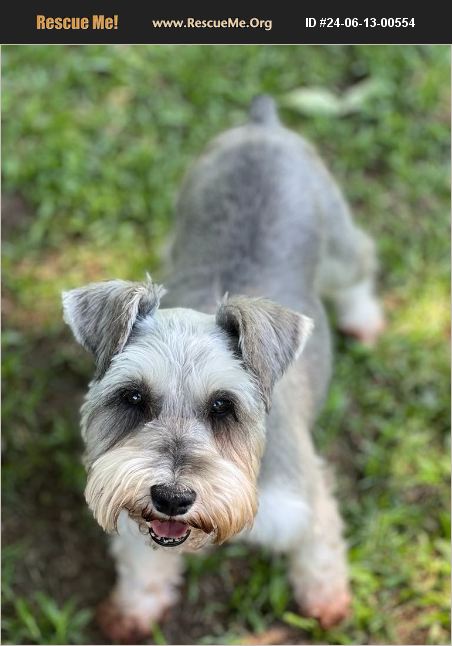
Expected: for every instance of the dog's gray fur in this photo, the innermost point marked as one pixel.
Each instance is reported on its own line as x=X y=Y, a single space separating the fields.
x=258 y=217
x=114 y=307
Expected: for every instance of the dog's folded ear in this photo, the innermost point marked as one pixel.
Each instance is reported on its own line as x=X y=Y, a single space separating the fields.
x=101 y=315
x=269 y=337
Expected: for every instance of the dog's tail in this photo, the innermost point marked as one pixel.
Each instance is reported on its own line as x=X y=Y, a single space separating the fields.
x=263 y=111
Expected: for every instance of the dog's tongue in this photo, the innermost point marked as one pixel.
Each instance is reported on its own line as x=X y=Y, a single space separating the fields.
x=169 y=528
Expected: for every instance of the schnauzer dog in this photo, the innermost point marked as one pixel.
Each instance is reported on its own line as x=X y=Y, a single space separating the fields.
x=197 y=421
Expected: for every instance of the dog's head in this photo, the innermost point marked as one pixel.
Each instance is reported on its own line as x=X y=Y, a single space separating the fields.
x=174 y=420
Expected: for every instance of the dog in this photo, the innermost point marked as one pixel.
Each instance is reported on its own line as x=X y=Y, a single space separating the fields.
x=197 y=423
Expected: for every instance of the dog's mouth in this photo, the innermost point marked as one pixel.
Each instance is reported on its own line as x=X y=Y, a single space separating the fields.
x=169 y=533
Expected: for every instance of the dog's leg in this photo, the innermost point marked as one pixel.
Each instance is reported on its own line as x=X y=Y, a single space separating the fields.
x=145 y=589
x=348 y=271
x=359 y=312
x=318 y=568
x=298 y=514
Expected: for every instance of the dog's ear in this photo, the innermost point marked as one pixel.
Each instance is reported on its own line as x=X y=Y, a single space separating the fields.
x=101 y=315
x=269 y=337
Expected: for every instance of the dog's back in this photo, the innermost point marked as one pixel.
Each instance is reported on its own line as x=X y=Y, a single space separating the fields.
x=248 y=215
x=249 y=221
x=260 y=215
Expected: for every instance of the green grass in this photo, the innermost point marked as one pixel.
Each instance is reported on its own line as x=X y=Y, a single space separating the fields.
x=44 y=622
x=95 y=142
x=37 y=618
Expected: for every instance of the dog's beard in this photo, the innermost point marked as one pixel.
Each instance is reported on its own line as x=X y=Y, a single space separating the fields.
x=226 y=496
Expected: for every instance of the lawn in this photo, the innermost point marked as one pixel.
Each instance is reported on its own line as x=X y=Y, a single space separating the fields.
x=95 y=142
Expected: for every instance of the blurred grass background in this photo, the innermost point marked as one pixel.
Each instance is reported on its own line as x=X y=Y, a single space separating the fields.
x=95 y=142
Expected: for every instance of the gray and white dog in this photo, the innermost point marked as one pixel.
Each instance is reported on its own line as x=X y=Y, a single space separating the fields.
x=197 y=422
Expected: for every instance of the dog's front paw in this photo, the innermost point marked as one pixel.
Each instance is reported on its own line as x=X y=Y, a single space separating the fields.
x=328 y=607
x=119 y=627
x=126 y=626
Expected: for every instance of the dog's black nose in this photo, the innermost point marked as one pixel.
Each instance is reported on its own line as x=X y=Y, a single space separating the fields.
x=171 y=500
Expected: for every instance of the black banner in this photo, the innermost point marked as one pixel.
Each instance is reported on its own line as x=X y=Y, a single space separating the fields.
x=139 y=22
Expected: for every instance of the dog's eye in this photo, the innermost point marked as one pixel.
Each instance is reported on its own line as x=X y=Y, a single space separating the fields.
x=134 y=397
x=221 y=407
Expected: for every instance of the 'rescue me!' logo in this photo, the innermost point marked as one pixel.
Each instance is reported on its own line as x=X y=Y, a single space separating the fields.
x=96 y=21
